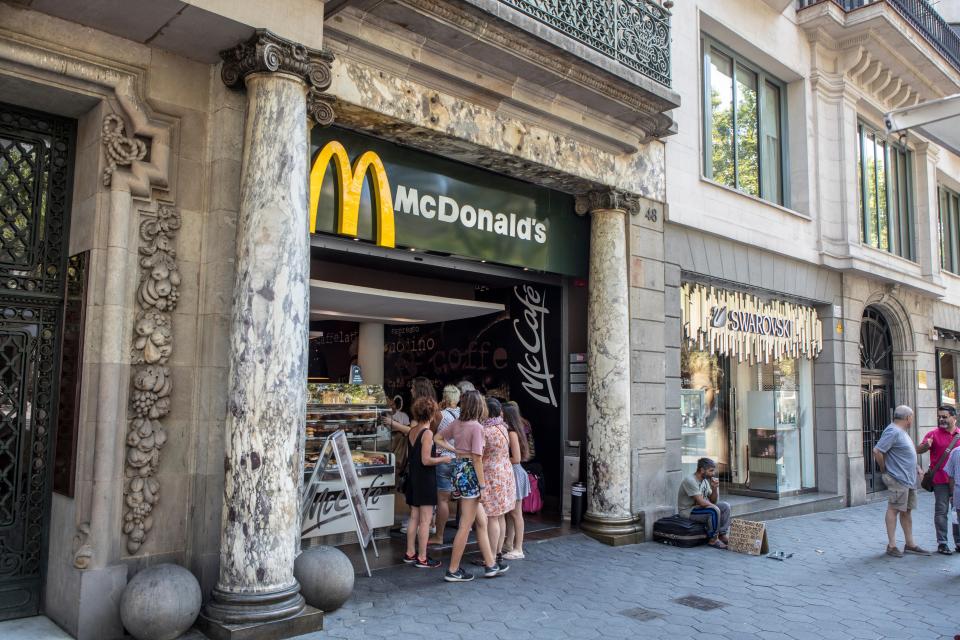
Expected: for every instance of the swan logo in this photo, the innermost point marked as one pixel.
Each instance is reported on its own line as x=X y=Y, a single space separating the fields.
x=718 y=317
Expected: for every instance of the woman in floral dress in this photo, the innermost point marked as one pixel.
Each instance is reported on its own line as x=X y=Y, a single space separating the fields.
x=500 y=494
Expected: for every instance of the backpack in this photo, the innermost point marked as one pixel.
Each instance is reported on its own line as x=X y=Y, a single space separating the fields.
x=533 y=503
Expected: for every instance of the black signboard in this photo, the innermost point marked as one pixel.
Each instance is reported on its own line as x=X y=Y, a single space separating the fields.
x=513 y=355
x=430 y=203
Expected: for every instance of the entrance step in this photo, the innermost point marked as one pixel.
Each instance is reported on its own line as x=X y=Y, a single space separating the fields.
x=750 y=508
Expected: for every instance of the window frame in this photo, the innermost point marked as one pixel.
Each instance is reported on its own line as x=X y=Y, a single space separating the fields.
x=903 y=156
x=763 y=77
x=949 y=229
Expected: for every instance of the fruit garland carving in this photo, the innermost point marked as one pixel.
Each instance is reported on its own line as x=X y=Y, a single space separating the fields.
x=157 y=296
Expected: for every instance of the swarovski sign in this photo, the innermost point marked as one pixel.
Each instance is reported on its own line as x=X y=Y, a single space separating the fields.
x=765 y=325
x=743 y=326
x=399 y=197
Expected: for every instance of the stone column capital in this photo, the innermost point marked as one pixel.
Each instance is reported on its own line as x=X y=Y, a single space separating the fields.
x=266 y=52
x=600 y=199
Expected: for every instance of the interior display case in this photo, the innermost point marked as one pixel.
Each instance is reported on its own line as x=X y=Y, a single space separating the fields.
x=357 y=411
x=773 y=440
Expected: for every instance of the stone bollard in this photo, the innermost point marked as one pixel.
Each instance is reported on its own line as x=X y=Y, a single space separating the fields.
x=326 y=577
x=160 y=603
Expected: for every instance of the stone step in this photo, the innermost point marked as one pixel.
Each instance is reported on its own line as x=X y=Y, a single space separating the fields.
x=762 y=509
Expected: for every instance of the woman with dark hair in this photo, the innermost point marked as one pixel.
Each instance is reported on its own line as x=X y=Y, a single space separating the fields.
x=500 y=496
x=527 y=431
x=421 y=490
x=420 y=387
x=468 y=485
x=519 y=452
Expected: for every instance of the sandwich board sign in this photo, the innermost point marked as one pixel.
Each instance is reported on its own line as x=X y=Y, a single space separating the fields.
x=340 y=448
x=748 y=537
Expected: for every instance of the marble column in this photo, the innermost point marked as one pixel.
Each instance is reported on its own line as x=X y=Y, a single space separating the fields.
x=266 y=403
x=609 y=517
x=370 y=352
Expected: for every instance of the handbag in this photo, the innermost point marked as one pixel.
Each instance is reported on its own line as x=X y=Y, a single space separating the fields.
x=533 y=503
x=927 y=481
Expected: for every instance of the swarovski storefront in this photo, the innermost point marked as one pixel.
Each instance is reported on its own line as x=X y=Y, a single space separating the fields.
x=746 y=396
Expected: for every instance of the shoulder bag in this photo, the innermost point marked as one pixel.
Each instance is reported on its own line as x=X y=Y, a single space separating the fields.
x=927 y=481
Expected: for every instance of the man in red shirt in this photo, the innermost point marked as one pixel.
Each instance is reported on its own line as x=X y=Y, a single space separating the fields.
x=939 y=442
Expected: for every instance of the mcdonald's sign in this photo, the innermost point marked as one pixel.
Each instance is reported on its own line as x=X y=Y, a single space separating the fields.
x=399 y=197
x=350 y=181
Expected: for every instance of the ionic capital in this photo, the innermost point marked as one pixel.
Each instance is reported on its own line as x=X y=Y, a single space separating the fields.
x=607 y=199
x=266 y=52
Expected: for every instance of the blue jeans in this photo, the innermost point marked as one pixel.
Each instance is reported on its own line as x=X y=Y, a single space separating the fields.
x=715 y=517
x=445 y=476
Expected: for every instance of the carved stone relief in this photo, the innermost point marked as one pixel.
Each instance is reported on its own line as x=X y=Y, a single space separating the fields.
x=119 y=149
x=157 y=296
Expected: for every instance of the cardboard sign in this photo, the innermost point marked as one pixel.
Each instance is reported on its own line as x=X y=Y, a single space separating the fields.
x=748 y=537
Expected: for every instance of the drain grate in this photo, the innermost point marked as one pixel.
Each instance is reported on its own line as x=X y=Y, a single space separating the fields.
x=641 y=614
x=834 y=520
x=696 y=602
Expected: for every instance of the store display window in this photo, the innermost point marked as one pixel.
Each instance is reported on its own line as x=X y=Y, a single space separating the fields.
x=754 y=420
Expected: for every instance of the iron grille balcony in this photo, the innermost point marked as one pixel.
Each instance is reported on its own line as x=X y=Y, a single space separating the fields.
x=918 y=13
x=635 y=33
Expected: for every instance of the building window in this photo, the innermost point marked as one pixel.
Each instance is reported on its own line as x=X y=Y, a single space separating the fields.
x=949 y=230
x=947 y=378
x=744 y=117
x=886 y=203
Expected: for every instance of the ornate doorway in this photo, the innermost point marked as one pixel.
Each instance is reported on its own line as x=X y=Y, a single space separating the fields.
x=36 y=181
x=876 y=388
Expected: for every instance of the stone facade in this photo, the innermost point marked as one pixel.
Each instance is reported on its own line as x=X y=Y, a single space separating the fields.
x=175 y=189
x=178 y=178
x=837 y=70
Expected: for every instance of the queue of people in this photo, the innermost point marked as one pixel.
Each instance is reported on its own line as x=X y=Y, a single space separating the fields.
x=467 y=448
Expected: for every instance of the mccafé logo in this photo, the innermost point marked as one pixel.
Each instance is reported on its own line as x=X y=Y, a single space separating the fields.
x=406 y=200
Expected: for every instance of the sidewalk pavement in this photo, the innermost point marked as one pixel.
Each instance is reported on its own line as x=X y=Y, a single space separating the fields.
x=839 y=584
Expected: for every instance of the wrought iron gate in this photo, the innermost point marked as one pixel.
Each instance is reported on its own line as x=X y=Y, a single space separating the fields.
x=876 y=388
x=36 y=180
x=876 y=402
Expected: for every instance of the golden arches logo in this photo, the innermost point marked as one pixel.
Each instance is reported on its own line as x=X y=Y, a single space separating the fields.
x=350 y=187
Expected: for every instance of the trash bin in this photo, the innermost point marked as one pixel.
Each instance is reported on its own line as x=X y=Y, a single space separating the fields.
x=578 y=502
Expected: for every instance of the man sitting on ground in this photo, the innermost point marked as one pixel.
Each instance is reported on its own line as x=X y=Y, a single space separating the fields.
x=698 y=500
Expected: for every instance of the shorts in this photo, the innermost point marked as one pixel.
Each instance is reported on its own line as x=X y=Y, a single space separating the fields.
x=465 y=482
x=902 y=498
x=445 y=476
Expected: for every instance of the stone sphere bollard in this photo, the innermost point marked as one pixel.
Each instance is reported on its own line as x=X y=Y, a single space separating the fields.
x=326 y=577
x=160 y=603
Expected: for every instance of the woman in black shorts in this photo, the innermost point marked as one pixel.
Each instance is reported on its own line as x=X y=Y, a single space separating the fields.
x=421 y=491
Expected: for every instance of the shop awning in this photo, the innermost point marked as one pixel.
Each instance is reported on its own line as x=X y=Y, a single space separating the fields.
x=938 y=120
x=338 y=301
